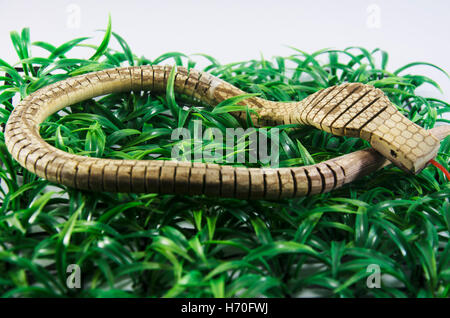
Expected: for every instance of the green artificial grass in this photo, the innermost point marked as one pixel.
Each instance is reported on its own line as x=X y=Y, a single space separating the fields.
x=150 y=245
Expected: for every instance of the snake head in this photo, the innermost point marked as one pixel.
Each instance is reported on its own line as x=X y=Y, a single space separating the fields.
x=361 y=110
x=407 y=145
x=411 y=160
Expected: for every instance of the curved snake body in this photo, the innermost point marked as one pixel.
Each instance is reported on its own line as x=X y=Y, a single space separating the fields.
x=352 y=109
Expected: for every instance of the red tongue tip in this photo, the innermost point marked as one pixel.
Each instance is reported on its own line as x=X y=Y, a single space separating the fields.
x=440 y=167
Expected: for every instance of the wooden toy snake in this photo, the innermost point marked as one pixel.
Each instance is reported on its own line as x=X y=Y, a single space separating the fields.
x=351 y=109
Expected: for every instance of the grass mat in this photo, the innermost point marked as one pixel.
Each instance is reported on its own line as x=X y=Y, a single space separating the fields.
x=149 y=245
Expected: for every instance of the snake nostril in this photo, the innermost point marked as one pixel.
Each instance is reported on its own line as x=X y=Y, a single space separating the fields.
x=393 y=154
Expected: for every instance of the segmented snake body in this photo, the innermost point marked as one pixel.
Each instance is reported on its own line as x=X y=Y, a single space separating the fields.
x=351 y=109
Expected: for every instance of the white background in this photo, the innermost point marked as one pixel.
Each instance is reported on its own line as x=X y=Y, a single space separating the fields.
x=239 y=30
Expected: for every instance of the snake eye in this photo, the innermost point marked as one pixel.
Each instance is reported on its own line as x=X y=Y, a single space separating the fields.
x=393 y=154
